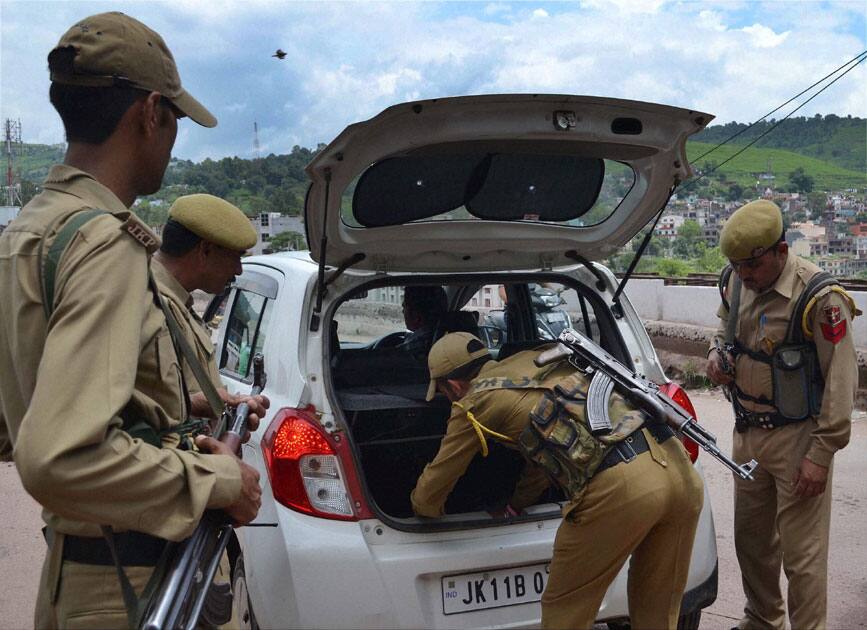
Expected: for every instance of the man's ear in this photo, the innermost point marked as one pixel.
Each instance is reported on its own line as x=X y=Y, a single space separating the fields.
x=151 y=113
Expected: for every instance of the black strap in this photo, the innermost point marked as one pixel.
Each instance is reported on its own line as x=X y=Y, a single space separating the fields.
x=822 y=279
x=48 y=264
x=724 y=276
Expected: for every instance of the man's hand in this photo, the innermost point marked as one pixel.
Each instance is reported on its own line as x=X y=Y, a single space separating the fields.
x=258 y=406
x=810 y=479
x=246 y=506
x=715 y=371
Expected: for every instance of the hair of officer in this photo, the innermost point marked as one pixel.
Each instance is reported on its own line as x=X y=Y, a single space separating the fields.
x=429 y=302
x=177 y=240
x=89 y=114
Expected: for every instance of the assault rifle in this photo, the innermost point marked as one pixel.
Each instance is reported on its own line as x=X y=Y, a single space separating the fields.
x=607 y=372
x=180 y=597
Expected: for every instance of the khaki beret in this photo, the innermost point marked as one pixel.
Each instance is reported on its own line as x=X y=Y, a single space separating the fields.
x=214 y=220
x=751 y=230
x=452 y=352
x=113 y=49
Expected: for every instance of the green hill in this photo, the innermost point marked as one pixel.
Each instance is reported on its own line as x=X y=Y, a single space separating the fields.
x=838 y=140
x=747 y=168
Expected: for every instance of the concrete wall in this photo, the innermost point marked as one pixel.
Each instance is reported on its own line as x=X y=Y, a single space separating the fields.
x=697 y=306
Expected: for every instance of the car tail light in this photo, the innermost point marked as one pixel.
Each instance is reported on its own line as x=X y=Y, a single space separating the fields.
x=310 y=470
x=676 y=393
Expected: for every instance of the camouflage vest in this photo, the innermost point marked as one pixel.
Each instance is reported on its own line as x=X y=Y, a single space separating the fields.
x=558 y=437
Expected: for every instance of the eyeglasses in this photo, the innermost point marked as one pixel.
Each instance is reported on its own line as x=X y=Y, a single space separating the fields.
x=752 y=263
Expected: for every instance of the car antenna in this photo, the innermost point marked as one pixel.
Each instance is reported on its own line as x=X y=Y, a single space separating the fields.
x=617 y=309
x=321 y=287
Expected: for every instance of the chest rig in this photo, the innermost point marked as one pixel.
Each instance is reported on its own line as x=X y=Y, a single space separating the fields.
x=558 y=436
x=798 y=384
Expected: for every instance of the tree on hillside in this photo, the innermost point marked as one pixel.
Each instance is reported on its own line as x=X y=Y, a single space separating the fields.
x=801 y=181
x=735 y=192
x=688 y=237
x=711 y=261
x=671 y=268
x=288 y=240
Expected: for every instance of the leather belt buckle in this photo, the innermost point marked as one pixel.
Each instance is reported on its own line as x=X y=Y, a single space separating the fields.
x=626 y=451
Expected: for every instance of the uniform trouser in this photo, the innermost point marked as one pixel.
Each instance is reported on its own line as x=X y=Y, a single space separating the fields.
x=774 y=528
x=648 y=508
x=73 y=595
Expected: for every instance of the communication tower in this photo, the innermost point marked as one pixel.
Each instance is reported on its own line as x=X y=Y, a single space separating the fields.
x=256 y=140
x=12 y=142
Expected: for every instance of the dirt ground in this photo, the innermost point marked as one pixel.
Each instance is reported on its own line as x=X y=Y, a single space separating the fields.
x=22 y=548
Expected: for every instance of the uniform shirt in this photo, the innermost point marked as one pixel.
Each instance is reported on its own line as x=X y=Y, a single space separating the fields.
x=105 y=348
x=179 y=300
x=762 y=322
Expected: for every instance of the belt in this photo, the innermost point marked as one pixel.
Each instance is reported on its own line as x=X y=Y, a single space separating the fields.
x=134 y=549
x=762 y=421
x=634 y=445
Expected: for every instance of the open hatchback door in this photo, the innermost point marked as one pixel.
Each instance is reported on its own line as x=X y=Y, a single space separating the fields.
x=490 y=183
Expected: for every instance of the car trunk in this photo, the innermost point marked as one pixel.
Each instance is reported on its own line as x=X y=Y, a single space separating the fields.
x=396 y=433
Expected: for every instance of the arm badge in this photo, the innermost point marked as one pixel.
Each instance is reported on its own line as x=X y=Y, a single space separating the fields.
x=834 y=326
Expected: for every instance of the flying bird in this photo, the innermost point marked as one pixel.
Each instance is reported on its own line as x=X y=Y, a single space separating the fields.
x=279 y=54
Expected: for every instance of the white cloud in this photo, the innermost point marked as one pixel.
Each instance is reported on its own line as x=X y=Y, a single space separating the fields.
x=348 y=61
x=764 y=37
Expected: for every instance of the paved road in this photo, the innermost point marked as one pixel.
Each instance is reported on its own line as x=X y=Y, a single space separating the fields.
x=21 y=545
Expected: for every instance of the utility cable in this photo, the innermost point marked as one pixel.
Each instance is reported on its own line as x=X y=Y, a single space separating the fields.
x=857 y=58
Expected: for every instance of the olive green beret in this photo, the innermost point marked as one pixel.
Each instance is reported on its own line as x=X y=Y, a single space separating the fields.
x=752 y=229
x=214 y=220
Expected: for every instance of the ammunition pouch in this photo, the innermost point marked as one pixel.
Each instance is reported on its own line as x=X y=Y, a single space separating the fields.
x=797 y=380
x=558 y=438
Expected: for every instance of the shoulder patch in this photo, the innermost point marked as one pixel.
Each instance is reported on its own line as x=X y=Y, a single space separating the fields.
x=834 y=324
x=146 y=237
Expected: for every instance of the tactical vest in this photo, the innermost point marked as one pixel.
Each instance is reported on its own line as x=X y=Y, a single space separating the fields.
x=557 y=436
x=798 y=384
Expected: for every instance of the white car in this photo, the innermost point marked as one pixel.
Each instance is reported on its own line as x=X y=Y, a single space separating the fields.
x=469 y=194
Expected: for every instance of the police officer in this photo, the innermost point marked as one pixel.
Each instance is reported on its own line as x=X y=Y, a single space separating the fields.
x=90 y=385
x=202 y=244
x=783 y=516
x=636 y=493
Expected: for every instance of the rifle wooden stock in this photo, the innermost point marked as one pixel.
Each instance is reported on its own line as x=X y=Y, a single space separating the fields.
x=588 y=356
x=180 y=597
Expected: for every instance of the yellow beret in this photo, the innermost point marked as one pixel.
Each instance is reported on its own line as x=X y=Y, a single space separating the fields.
x=751 y=230
x=214 y=220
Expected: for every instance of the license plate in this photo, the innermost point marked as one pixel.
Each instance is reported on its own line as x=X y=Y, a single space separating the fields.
x=494 y=589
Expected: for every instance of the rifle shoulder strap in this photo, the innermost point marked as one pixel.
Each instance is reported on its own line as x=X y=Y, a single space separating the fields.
x=49 y=263
x=733 y=308
x=796 y=329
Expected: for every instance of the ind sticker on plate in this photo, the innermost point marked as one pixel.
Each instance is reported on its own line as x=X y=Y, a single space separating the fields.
x=493 y=589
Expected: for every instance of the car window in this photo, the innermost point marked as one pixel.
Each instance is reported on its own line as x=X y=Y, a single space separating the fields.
x=370 y=317
x=245 y=333
x=509 y=186
x=556 y=307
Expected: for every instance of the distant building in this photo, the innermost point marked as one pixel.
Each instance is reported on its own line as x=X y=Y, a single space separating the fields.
x=270 y=224
x=7 y=214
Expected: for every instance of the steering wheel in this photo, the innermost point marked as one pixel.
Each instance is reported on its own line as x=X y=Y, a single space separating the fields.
x=390 y=340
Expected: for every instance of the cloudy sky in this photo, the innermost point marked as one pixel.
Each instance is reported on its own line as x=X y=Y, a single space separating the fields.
x=346 y=61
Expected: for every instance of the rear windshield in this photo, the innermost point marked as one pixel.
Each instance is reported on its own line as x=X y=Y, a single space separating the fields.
x=487 y=185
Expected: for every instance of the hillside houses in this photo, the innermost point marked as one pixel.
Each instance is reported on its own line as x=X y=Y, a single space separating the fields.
x=834 y=237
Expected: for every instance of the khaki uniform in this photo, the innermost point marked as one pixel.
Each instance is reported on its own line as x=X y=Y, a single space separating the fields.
x=63 y=385
x=179 y=300
x=647 y=508
x=772 y=525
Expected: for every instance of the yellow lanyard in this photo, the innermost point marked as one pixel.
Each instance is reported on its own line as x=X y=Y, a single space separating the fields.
x=482 y=429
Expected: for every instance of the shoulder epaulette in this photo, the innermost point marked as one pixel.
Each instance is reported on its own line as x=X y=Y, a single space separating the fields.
x=141 y=233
